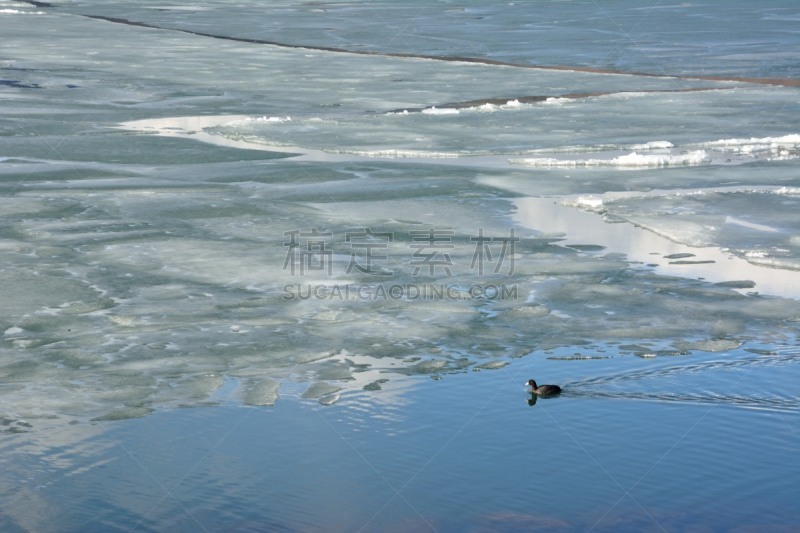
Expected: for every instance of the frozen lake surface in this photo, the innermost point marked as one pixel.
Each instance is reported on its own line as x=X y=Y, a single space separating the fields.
x=291 y=217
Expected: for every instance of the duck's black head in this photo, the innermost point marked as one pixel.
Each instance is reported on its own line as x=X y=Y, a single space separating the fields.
x=531 y=383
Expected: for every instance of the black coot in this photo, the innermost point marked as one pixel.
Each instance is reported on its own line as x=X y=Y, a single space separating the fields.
x=544 y=390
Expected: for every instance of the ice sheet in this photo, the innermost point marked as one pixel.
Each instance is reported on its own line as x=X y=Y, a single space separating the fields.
x=150 y=180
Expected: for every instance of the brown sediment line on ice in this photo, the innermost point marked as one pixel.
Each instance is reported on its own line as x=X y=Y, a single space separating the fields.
x=785 y=82
x=36 y=4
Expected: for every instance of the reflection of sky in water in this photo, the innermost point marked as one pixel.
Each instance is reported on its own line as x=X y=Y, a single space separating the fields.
x=477 y=456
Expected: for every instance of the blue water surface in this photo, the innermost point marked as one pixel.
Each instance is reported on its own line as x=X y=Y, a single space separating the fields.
x=463 y=453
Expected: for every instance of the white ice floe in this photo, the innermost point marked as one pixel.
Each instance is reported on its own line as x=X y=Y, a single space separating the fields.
x=556 y=100
x=756 y=254
x=440 y=111
x=785 y=140
x=485 y=108
x=769 y=148
x=18 y=12
x=592 y=202
x=632 y=160
x=510 y=105
x=653 y=145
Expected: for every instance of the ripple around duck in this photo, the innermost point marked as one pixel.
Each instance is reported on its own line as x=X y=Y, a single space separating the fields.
x=709 y=382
